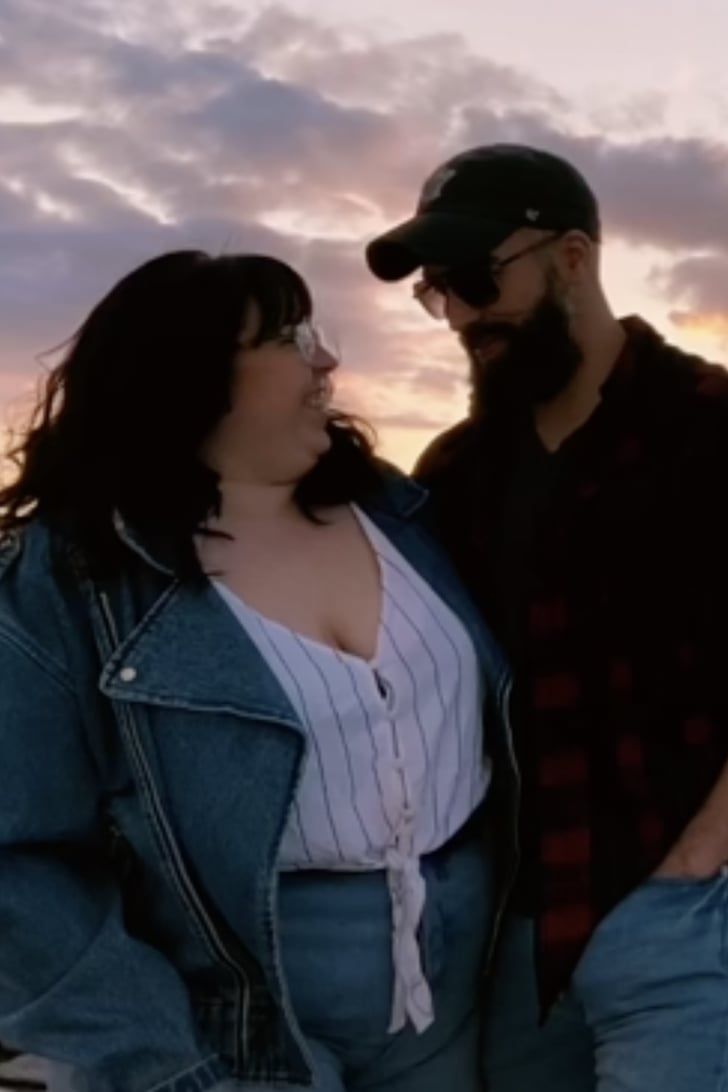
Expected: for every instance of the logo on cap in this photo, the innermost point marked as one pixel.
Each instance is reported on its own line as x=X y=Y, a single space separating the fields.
x=436 y=184
x=532 y=215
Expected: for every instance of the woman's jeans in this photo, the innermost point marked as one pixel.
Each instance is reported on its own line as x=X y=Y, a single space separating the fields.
x=336 y=934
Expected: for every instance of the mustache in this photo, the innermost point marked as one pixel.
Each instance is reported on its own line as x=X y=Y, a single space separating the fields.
x=477 y=335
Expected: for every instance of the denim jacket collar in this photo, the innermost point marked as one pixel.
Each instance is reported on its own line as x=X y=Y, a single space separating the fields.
x=165 y=659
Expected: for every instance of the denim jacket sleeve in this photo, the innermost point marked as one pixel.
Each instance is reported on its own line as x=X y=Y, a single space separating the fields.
x=74 y=986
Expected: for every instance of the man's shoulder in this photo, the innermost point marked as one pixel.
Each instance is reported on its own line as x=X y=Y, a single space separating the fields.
x=709 y=384
x=444 y=452
x=678 y=389
x=690 y=375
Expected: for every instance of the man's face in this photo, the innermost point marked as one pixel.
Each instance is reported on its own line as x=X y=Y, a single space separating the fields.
x=520 y=347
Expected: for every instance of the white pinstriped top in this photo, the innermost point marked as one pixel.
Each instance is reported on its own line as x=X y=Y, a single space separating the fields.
x=395 y=762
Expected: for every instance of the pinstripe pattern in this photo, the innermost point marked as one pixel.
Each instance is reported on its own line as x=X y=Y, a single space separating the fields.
x=395 y=761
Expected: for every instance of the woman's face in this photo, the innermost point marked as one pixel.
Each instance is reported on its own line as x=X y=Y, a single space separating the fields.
x=275 y=430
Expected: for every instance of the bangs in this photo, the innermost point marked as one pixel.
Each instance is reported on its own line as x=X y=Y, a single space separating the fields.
x=281 y=296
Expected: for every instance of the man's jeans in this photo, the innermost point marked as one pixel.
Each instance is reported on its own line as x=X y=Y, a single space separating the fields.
x=647 y=1009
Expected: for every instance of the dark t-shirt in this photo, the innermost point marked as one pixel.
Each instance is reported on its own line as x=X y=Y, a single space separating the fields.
x=530 y=482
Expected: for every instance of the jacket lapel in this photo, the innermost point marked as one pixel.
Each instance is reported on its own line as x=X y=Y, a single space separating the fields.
x=190 y=652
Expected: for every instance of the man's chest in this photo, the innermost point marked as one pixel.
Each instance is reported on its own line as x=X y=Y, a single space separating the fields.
x=596 y=541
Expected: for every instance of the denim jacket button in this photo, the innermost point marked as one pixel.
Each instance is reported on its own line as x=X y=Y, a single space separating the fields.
x=127 y=674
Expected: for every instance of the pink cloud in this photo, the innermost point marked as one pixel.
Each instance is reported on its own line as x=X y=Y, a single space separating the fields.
x=283 y=135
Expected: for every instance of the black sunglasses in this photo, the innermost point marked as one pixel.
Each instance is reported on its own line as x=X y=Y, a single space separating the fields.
x=474 y=283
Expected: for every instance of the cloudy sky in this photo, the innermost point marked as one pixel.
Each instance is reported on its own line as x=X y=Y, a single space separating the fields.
x=304 y=128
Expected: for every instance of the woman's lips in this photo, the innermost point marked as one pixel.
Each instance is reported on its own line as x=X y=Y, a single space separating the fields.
x=320 y=397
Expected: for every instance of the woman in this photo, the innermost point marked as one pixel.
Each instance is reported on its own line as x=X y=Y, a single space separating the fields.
x=242 y=718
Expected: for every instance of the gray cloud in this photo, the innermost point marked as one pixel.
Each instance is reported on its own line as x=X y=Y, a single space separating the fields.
x=698 y=287
x=425 y=73
x=664 y=192
x=699 y=283
x=641 y=113
x=202 y=126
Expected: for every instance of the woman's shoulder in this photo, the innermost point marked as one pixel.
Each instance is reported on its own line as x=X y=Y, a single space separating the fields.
x=26 y=551
x=31 y=597
x=35 y=566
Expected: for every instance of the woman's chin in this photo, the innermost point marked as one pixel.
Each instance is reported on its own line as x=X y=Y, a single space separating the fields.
x=322 y=445
x=313 y=448
x=319 y=434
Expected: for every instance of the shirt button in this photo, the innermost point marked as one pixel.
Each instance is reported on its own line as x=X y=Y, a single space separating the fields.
x=128 y=674
x=385 y=689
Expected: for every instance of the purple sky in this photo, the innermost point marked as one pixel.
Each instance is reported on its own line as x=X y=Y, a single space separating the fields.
x=125 y=133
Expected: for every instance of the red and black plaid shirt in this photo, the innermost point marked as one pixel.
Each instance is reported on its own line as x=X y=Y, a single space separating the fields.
x=620 y=699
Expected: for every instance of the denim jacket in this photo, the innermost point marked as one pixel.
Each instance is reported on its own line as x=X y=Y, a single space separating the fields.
x=150 y=759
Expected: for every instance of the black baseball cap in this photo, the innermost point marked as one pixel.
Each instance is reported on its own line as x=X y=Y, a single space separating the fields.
x=476 y=200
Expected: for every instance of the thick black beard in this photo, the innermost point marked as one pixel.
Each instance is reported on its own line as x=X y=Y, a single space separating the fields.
x=538 y=360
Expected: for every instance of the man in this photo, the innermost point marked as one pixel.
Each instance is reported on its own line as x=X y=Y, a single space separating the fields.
x=584 y=501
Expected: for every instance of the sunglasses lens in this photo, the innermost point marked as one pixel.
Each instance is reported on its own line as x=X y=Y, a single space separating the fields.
x=473 y=285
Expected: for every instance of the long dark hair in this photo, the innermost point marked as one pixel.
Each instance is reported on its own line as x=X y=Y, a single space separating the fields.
x=120 y=420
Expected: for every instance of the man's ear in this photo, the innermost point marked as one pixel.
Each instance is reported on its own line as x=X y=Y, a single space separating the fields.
x=574 y=254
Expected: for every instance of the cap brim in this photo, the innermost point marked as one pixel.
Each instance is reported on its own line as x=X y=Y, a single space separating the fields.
x=433 y=238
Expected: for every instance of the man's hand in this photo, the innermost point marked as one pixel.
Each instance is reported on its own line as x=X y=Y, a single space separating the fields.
x=695 y=856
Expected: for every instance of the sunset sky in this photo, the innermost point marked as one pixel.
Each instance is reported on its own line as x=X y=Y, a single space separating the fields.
x=302 y=129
